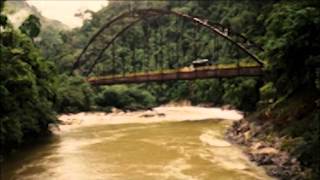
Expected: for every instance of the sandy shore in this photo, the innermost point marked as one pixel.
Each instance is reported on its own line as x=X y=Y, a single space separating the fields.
x=159 y=114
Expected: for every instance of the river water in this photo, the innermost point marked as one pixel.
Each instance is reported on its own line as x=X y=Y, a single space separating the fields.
x=183 y=150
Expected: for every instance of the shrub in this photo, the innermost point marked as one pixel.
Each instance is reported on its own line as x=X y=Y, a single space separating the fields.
x=124 y=97
x=74 y=94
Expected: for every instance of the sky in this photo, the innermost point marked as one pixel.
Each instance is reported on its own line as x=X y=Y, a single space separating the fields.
x=64 y=10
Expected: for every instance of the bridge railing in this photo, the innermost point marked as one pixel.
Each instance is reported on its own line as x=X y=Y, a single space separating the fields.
x=177 y=71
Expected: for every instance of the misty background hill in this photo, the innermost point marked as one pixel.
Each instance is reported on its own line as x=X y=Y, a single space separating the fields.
x=18 y=11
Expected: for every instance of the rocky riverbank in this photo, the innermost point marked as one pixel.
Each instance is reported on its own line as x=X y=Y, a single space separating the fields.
x=277 y=163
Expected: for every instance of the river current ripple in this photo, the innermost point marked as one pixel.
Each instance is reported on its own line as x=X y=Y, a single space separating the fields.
x=186 y=150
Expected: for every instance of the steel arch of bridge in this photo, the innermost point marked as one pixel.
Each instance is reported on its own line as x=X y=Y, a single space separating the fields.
x=244 y=44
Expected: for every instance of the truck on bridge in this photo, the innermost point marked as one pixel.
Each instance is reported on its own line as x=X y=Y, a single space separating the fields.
x=200 y=63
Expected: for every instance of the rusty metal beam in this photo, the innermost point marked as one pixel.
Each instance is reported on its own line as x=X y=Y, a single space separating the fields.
x=178 y=75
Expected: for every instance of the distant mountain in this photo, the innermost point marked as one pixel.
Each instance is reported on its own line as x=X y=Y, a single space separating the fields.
x=18 y=11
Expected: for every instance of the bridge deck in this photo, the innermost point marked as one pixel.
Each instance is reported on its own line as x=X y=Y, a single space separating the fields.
x=198 y=73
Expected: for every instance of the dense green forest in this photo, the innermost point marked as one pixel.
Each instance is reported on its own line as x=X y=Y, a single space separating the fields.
x=36 y=83
x=32 y=90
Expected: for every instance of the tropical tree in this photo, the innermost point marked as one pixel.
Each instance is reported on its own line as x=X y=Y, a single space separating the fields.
x=31 y=26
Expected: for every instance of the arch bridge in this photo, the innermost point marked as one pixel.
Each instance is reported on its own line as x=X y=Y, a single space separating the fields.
x=97 y=48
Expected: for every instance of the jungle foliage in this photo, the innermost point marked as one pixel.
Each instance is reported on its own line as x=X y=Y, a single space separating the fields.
x=26 y=88
x=33 y=88
x=126 y=98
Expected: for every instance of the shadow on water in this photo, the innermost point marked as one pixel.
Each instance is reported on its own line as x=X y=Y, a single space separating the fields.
x=25 y=161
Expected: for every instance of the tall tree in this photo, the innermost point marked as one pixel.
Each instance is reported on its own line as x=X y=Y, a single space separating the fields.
x=31 y=26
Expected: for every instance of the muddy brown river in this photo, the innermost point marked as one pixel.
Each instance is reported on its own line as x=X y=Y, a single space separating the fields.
x=186 y=150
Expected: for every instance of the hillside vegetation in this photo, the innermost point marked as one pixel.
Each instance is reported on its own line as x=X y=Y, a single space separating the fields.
x=37 y=83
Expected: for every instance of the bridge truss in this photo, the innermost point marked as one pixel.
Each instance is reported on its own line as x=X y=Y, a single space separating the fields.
x=93 y=52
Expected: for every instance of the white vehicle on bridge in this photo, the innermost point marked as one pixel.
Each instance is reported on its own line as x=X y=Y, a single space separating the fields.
x=200 y=63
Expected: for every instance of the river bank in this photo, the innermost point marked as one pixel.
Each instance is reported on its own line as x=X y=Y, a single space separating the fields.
x=283 y=137
x=278 y=163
